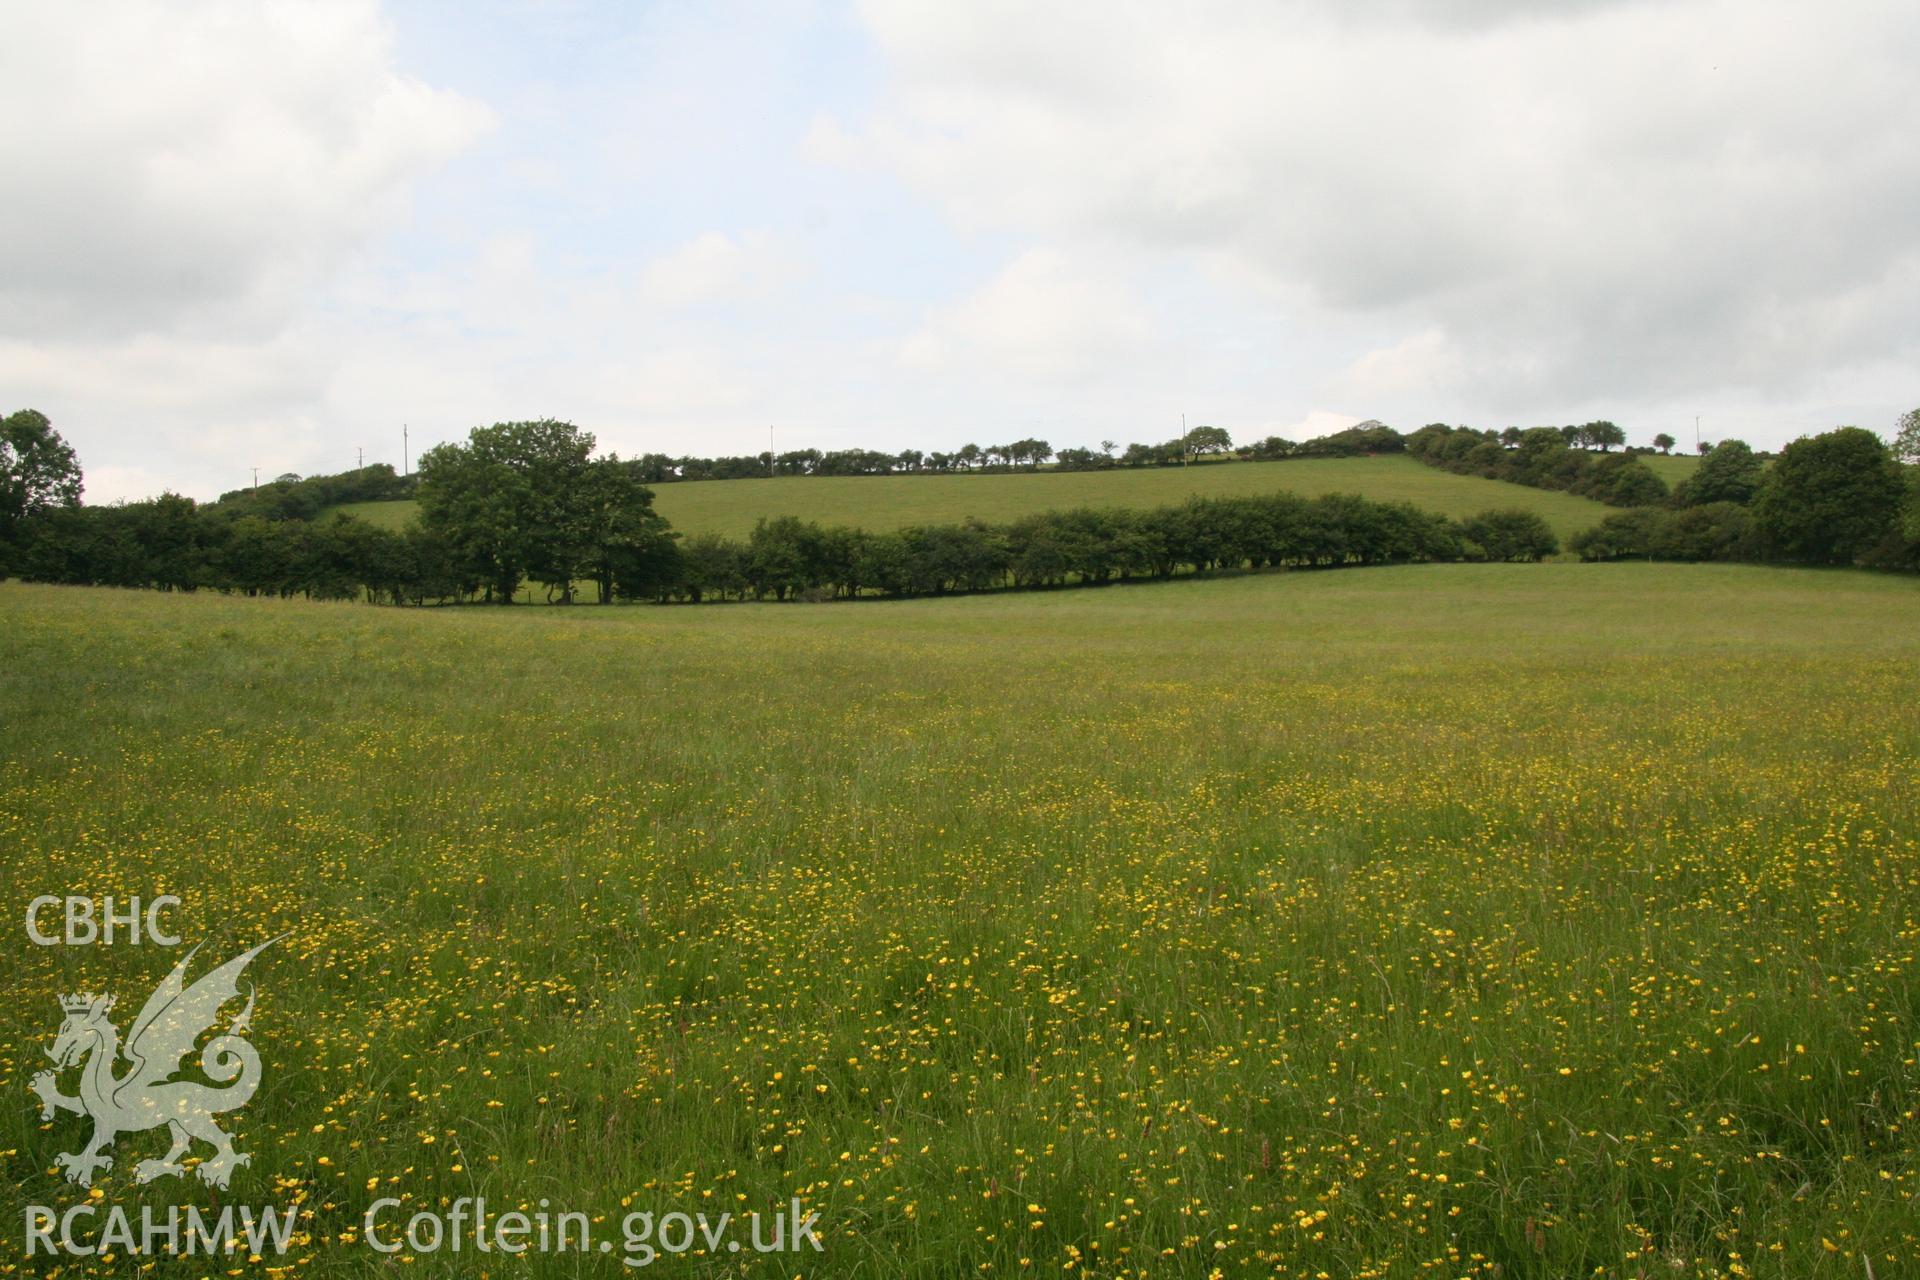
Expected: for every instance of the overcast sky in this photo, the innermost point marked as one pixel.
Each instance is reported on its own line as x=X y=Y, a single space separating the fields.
x=238 y=234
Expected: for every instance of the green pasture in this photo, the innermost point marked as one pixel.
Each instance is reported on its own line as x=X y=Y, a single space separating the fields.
x=1518 y=921
x=892 y=502
x=1671 y=467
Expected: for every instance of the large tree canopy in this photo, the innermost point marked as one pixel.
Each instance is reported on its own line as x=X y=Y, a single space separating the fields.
x=1729 y=473
x=1209 y=440
x=525 y=500
x=38 y=469
x=1831 y=497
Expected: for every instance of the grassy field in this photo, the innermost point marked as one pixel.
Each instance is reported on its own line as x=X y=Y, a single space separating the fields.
x=1521 y=921
x=1673 y=468
x=388 y=515
x=892 y=502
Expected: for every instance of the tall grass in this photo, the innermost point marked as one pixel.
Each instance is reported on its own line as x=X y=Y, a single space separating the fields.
x=1530 y=921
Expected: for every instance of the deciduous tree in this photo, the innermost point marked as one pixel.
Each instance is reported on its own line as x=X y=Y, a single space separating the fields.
x=510 y=503
x=1730 y=472
x=1906 y=438
x=1830 y=498
x=38 y=469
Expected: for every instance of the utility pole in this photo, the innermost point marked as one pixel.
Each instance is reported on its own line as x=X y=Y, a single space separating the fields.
x=770 y=471
x=1696 y=433
x=1186 y=453
x=362 y=455
x=256 y=479
x=406 y=452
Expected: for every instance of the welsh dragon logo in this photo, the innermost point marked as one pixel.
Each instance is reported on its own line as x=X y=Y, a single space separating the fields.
x=145 y=1097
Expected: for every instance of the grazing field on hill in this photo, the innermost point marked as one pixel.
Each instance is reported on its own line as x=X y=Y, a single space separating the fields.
x=1518 y=921
x=1673 y=467
x=388 y=515
x=893 y=502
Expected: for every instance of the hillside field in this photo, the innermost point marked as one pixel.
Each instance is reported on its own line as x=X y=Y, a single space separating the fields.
x=892 y=502
x=1673 y=467
x=1470 y=921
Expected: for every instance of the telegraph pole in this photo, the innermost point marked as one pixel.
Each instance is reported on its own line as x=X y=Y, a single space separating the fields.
x=1186 y=453
x=1696 y=433
x=361 y=454
x=770 y=471
x=406 y=452
x=256 y=479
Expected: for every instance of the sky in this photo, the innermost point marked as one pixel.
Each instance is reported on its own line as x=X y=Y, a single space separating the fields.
x=269 y=234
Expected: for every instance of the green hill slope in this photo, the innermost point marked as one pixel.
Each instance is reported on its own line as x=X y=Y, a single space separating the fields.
x=893 y=502
x=387 y=515
x=1673 y=467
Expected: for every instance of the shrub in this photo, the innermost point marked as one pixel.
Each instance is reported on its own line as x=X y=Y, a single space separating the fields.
x=1511 y=535
x=1730 y=472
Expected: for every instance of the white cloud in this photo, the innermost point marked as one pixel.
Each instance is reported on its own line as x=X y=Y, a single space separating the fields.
x=186 y=178
x=199 y=163
x=1542 y=203
x=716 y=267
x=1046 y=316
x=228 y=236
x=1424 y=364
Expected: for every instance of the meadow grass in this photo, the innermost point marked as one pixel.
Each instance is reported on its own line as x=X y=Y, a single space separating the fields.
x=389 y=514
x=1523 y=921
x=1672 y=467
x=879 y=503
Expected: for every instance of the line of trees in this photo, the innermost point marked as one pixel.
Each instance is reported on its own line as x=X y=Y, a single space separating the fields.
x=1201 y=444
x=1839 y=498
x=468 y=553
x=1573 y=459
x=528 y=502
x=1359 y=440
x=1213 y=444
x=1028 y=454
x=521 y=503
x=261 y=540
x=172 y=543
x=294 y=497
x=517 y=502
x=788 y=558
x=1198 y=445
